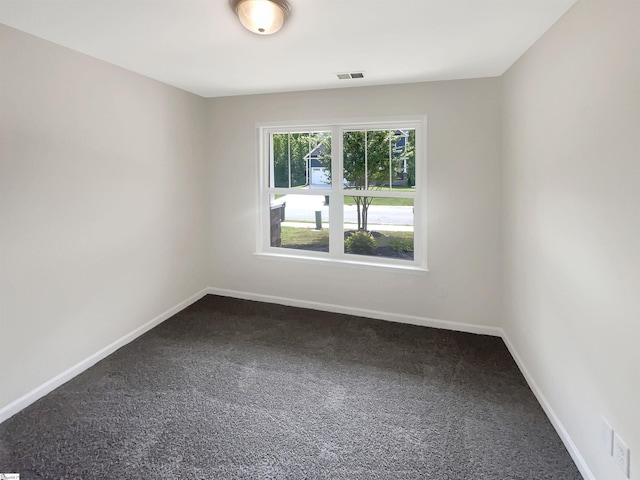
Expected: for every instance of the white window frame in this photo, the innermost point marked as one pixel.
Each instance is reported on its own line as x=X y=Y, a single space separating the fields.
x=336 y=192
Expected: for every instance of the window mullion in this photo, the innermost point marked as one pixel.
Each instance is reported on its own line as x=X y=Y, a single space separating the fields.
x=390 y=169
x=366 y=165
x=289 y=156
x=336 y=210
x=308 y=167
x=270 y=181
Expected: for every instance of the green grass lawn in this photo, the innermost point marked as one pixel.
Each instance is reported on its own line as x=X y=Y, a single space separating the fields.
x=393 y=202
x=401 y=241
x=305 y=236
x=318 y=240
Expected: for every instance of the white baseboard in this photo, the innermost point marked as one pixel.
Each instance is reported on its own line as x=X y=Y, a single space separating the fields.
x=50 y=385
x=578 y=459
x=360 y=312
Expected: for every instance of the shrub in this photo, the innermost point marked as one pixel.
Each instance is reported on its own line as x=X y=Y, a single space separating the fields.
x=360 y=243
x=401 y=244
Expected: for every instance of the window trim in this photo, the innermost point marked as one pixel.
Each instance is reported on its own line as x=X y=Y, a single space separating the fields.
x=336 y=255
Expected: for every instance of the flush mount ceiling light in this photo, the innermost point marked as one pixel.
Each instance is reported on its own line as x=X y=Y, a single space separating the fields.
x=263 y=17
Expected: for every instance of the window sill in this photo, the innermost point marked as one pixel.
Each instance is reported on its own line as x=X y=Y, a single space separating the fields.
x=359 y=264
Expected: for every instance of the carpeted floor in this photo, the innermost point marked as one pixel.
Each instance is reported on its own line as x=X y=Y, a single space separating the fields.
x=234 y=389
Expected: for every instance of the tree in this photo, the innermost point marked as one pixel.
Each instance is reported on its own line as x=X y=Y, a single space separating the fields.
x=370 y=161
x=288 y=160
x=290 y=151
x=409 y=155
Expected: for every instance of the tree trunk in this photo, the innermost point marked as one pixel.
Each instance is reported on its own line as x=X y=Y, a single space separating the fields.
x=365 y=214
x=366 y=202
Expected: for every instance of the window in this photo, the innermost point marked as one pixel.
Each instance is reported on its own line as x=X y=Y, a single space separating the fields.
x=344 y=192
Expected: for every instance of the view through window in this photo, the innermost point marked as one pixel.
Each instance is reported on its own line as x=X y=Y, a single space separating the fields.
x=344 y=192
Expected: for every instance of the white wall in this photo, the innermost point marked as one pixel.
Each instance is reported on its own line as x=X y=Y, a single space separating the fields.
x=572 y=222
x=102 y=206
x=464 y=210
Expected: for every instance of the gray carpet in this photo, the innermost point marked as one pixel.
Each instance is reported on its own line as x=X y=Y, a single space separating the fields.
x=236 y=389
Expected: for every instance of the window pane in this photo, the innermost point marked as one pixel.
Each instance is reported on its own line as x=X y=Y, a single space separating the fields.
x=319 y=160
x=379 y=159
x=299 y=154
x=300 y=159
x=380 y=226
x=280 y=160
x=353 y=159
x=300 y=222
x=403 y=160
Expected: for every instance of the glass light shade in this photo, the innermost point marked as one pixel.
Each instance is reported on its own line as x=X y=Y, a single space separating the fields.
x=263 y=17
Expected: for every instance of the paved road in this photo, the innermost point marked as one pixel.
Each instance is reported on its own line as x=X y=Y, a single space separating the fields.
x=350 y=226
x=303 y=208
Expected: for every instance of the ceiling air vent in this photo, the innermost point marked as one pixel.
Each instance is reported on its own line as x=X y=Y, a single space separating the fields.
x=349 y=76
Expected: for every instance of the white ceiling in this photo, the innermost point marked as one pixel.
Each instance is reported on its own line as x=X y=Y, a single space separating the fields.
x=200 y=46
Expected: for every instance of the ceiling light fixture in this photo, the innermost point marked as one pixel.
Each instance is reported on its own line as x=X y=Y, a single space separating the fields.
x=263 y=17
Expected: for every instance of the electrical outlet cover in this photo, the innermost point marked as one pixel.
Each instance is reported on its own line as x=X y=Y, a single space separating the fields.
x=621 y=454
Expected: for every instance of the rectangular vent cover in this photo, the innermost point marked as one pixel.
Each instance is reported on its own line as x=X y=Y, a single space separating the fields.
x=348 y=76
